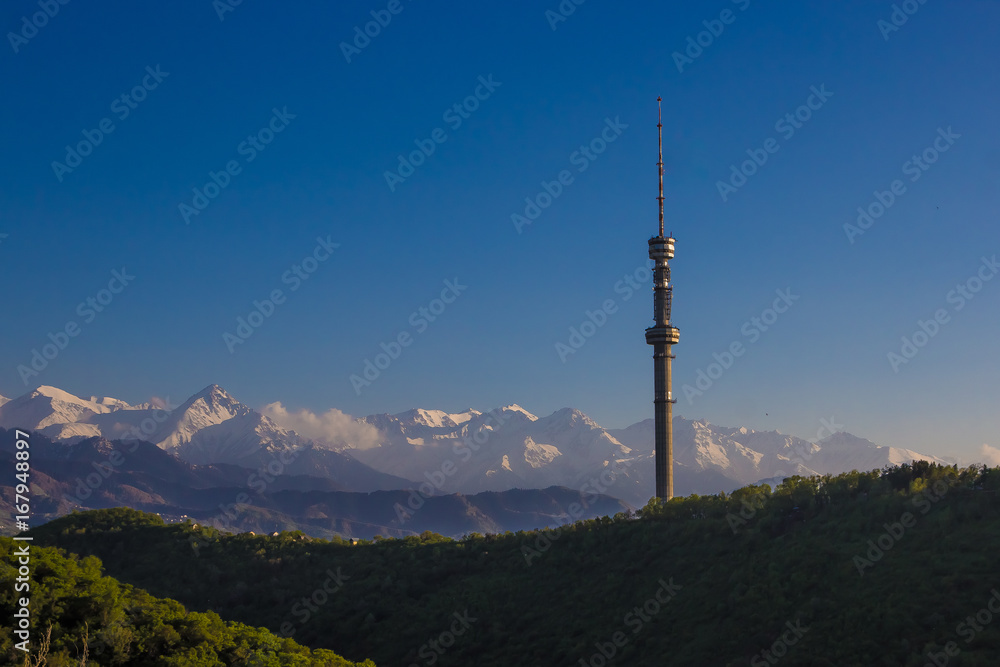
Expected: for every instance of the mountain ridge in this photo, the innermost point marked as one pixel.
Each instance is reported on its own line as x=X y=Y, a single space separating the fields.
x=100 y=474
x=444 y=452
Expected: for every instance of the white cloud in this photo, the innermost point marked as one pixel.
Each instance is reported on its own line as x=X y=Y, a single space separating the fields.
x=989 y=455
x=332 y=428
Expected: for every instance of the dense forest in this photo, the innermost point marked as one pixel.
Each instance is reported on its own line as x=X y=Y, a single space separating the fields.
x=83 y=617
x=891 y=567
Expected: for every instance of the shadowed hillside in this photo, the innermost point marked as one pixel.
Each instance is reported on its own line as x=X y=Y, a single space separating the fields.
x=81 y=617
x=859 y=569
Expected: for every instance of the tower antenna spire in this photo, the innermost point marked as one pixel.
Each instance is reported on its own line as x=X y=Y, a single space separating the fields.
x=659 y=130
x=662 y=336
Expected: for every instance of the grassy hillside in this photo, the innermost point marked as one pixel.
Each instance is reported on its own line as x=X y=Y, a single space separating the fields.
x=894 y=567
x=88 y=618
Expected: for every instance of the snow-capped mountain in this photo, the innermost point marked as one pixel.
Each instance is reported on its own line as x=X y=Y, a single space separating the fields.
x=745 y=456
x=510 y=447
x=464 y=452
x=501 y=449
x=436 y=418
x=59 y=414
x=843 y=450
x=213 y=427
x=210 y=427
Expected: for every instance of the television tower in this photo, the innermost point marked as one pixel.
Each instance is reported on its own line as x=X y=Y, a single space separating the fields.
x=661 y=336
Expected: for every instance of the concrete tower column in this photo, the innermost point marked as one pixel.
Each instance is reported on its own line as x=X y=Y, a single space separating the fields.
x=662 y=336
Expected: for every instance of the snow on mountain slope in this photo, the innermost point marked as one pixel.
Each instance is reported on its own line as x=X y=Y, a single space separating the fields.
x=510 y=447
x=842 y=451
x=213 y=427
x=209 y=407
x=410 y=448
x=46 y=406
x=747 y=456
x=504 y=448
x=73 y=432
x=464 y=452
x=537 y=455
x=435 y=418
x=65 y=417
x=111 y=403
x=514 y=407
x=209 y=427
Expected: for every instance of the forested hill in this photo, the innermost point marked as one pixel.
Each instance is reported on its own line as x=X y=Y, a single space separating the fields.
x=893 y=567
x=81 y=617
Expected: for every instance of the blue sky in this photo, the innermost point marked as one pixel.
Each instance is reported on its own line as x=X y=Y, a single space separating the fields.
x=327 y=131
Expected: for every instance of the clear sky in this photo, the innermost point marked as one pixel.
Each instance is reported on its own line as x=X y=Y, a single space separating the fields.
x=309 y=115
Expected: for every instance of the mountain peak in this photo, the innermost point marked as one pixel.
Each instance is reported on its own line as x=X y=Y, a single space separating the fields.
x=514 y=407
x=108 y=401
x=572 y=416
x=435 y=418
x=56 y=393
x=46 y=405
x=212 y=390
x=431 y=418
x=845 y=439
x=99 y=404
x=213 y=426
x=216 y=403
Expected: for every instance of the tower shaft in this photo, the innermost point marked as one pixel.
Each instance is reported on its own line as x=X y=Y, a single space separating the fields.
x=662 y=335
x=663 y=419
